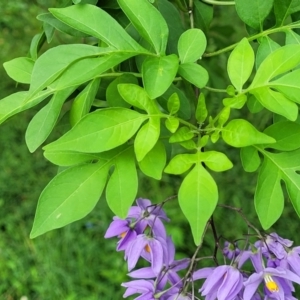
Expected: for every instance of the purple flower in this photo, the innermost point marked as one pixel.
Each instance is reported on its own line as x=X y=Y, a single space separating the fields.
x=230 y=250
x=274 y=244
x=149 y=215
x=293 y=260
x=151 y=247
x=144 y=287
x=222 y=283
x=273 y=285
x=169 y=270
x=122 y=229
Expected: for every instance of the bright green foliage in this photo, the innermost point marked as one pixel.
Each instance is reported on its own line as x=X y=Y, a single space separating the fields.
x=287 y=135
x=83 y=102
x=194 y=73
x=240 y=64
x=158 y=74
x=201 y=110
x=283 y=9
x=100 y=131
x=144 y=91
x=113 y=96
x=123 y=183
x=191 y=45
x=19 y=69
x=173 y=104
x=151 y=25
x=269 y=201
x=266 y=47
x=157 y=156
x=80 y=189
x=240 y=133
x=91 y=20
x=250 y=158
x=146 y=138
x=198 y=196
x=258 y=12
x=44 y=121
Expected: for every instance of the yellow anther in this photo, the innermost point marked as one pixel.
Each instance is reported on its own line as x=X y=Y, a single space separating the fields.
x=123 y=234
x=271 y=285
x=147 y=248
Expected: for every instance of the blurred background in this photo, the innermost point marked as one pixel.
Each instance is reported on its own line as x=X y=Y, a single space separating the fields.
x=76 y=262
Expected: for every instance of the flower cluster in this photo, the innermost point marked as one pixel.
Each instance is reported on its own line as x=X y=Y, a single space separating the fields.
x=263 y=270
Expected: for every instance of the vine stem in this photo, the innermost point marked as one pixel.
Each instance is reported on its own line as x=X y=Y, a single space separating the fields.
x=239 y=211
x=252 y=38
x=215 y=2
x=191 y=7
x=215 y=90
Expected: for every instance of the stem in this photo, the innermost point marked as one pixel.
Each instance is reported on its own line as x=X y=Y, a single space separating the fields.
x=239 y=211
x=252 y=38
x=215 y=90
x=193 y=259
x=191 y=7
x=214 y=2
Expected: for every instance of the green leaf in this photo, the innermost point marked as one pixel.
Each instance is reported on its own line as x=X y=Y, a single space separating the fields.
x=198 y=197
x=154 y=161
x=80 y=188
x=92 y=20
x=254 y=105
x=148 y=22
x=266 y=47
x=45 y=71
x=258 y=9
x=223 y=116
x=240 y=64
x=146 y=138
x=191 y=45
x=19 y=69
x=289 y=85
x=250 y=159
x=194 y=74
x=203 y=15
x=100 y=131
x=172 y=124
x=276 y=102
x=16 y=103
x=158 y=74
x=36 y=44
x=286 y=134
x=87 y=69
x=216 y=161
x=83 y=101
x=241 y=133
x=137 y=96
x=70 y=158
x=182 y=134
x=185 y=105
x=291 y=37
x=113 y=97
x=284 y=8
x=174 y=21
x=235 y=102
x=278 y=62
x=181 y=163
x=201 y=110
x=43 y=122
x=268 y=199
x=62 y=27
x=173 y=104
x=122 y=186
